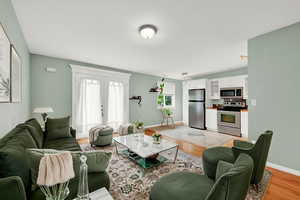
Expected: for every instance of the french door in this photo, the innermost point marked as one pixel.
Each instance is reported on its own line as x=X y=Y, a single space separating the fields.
x=98 y=99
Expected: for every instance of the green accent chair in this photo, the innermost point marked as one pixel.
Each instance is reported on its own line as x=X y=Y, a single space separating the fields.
x=102 y=137
x=232 y=183
x=12 y=188
x=212 y=156
x=15 y=173
x=258 y=151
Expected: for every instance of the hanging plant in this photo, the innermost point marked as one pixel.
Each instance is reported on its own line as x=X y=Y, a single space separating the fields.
x=160 y=97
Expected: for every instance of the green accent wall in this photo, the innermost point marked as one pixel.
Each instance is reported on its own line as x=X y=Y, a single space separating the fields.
x=274 y=70
x=55 y=89
x=14 y=113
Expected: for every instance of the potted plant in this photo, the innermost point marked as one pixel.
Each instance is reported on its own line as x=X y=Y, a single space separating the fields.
x=138 y=124
x=156 y=137
x=168 y=111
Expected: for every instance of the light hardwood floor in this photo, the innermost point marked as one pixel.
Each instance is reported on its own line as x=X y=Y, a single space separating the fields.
x=283 y=186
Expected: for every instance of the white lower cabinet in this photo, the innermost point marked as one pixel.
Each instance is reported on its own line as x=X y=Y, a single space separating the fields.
x=244 y=124
x=212 y=119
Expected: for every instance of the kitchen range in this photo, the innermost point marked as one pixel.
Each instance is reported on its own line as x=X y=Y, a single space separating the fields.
x=229 y=114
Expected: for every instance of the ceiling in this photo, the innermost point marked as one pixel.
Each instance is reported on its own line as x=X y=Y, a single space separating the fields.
x=194 y=36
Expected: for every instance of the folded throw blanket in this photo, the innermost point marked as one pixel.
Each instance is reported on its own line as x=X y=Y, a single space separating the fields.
x=55 y=169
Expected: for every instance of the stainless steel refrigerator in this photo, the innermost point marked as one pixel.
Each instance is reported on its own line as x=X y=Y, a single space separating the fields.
x=197 y=108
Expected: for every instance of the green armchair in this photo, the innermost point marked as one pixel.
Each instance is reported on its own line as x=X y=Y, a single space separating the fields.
x=232 y=183
x=12 y=188
x=258 y=151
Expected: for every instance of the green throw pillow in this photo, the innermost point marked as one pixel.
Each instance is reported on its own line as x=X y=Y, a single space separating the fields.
x=222 y=168
x=58 y=128
x=97 y=161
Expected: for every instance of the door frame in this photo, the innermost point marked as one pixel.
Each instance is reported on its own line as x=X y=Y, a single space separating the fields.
x=105 y=75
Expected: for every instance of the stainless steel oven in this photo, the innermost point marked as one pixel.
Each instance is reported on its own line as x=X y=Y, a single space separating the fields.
x=229 y=122
x=231 y=93
x=229 y=118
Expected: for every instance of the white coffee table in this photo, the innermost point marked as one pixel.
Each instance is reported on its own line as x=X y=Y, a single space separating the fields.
x=101 y=194
x=140 y=148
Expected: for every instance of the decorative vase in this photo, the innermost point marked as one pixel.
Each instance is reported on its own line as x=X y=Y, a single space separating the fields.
x=83 y=187
x=56 y=192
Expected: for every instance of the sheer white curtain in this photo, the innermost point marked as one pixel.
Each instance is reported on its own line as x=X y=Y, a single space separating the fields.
x=89 y=107
x=115 y=104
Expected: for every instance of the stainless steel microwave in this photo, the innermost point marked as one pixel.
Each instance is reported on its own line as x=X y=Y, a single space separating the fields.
x=231 y=93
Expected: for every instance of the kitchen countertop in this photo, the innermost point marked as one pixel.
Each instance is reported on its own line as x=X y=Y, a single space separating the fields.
x=213 y=108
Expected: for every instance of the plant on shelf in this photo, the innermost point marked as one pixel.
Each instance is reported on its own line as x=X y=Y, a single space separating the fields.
x=156 y=137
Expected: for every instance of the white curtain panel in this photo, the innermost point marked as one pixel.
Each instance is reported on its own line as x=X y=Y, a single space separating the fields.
x=89 y=107
x=115 y=105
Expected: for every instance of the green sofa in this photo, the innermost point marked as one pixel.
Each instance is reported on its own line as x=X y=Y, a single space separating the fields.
x=232 y=183
x=15 y=175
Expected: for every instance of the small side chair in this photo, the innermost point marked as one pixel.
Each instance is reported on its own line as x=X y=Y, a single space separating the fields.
x=167 y=115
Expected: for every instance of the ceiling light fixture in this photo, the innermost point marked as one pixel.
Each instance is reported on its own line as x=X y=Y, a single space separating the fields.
x=148 y=31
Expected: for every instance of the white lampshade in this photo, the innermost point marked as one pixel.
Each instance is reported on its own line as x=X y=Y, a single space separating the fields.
x=43 y=110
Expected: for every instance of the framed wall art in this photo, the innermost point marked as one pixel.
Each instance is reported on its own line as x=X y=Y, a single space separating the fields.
x=16 y=76
x=5 y=72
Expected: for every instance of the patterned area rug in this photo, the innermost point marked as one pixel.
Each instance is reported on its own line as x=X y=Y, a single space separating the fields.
x=130 y=182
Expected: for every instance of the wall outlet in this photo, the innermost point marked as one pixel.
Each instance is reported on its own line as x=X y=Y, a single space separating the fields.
x=253 y=102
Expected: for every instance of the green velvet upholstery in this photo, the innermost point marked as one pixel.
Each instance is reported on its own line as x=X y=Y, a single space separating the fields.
x=102 y=138
x=181 y=186
x=58 y=128
x=14 y=160
x=36 y=131
x=69 y=144
x=258 y=151
x=222 y=168
x=211 y=157
x=12 y=188
x=233 y=184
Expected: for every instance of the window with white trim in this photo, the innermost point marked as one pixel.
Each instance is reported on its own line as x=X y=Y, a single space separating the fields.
x=169 y=95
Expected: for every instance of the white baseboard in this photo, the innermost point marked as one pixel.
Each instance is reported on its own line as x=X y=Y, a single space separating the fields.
x=283 y=168
x=155 y=125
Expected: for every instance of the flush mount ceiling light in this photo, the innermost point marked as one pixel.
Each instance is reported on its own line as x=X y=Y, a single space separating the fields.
x=148 y=31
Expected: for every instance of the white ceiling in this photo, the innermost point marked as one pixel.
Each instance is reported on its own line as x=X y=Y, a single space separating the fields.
x=194 y=36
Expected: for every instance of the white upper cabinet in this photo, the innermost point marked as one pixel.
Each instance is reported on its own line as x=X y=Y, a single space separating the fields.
x=234 y=81
x=213 y=88
x=197 y=84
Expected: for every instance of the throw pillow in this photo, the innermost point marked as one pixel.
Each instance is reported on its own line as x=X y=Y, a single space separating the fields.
x=97 y=161
x=58 y=128
x=222 y=168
